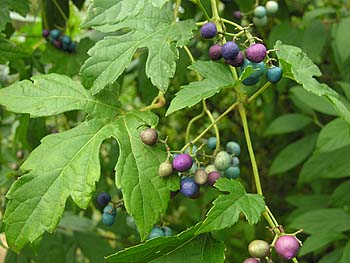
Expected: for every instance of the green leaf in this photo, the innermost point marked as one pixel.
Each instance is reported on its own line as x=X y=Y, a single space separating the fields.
x=314 y=40
x=346 y=254
x=335 y=135
x=323 y=221
x=145 y=194
x=320 y=11
x=332 y=257
x=19 y=6
x=294 y=154
x=185 y=247
x=326 y=165
x=9 y=51
x=342 y=39
x=288 y=123
x=227 y=208
x=153 y=28
x=217 y=76
x=53 y=94
x=64 y=165
x=341 y=195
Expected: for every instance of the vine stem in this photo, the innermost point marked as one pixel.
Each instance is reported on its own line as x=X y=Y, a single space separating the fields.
x=176 y=10
x=201 y=7
x=43 y=13
x=217 y=133
x=60 y=10
x=157 y=102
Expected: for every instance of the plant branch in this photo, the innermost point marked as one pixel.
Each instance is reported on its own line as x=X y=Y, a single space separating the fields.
x=157 y=102
x=201 y=7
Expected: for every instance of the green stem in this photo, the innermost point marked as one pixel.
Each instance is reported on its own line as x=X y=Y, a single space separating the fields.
x=43 y=14
x=214 y=9
x=60 y=10
x=176 y=10
x=239 y=27
x=217 y=133
x=201 y=7
x=194 y=119
x=261 y=90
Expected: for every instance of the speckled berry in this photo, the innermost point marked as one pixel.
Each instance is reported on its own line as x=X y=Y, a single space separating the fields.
x=259 y=249
x=165 y=169
x=213 y=177
x=251 y=260
x=256 y=53
x=233 y=148
x=189 y=188
x=156 y=232
x=209 y=30
x=287 y=246
x=274 y=74
x=182 y=162
x=222 y=160
x=230 y=50
x=149 y=136
x=211 y=143
x=200 y=177
x=260 y=11
x=215 y=52
x=103 y=199
x=232 y=172
x=271 y=7
x=237 y=61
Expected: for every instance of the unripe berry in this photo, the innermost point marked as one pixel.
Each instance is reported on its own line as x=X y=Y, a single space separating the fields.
x=156 y=232
x=191 y=149
x=233 y=148
x=108 y=219
x=211 y=143
x=251 y=260
x=167 y=231
x=287 y=246
x=237 y=61
x=182 y=162
x=232 y=172
x=55 y=33
x=149 y=136
x=72 y=46
x=250 y=81
x=194 y=168
x=222 y=160
x=211 y=168
x=235 y=161
x=230 y=50
x=165 y=169
x=271 y=7
x=200 y=177
x=260 y=21
x=256 y=53
x=208 y=30
x=259 y=249
x=189 y=188
x=215 y=52
x=274 y=74
x=213 y=177
x=103 y=199
x=66 y=40
x=260 y=11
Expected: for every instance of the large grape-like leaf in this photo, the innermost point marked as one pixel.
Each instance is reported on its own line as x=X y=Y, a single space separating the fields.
x=297 y=66
x=52 y=94
x=145 y=194
x=150 y=27
x=227 y=208
x=65 y=164
x=185 y=247
x=217 y=76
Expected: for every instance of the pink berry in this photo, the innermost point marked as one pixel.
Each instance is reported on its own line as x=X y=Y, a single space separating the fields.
x=237 y=61
x=256 y=53
x=213 y=177
x=287 y=246
x=182 y=162
x=215 y=52
x=251 y=260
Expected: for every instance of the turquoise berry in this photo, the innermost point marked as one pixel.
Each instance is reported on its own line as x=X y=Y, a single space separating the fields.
x=235 y=161
x=55 y=34
x=260 y=11
x=156 y=232
x=274 y=74
x=167 y=231
x=250 y=81
x=259 y=68
x=222 y=160
x=194 y=168
x=110 y=209
x=211 y=143
x=108 y=219
x=260 y=21
x=233 y=148
x=66 y=40
x=232 y=172
x=271 y=7
x=192 y=149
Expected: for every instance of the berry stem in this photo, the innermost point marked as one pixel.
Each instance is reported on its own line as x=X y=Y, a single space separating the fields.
x=43 y=14
x=261 y=90
x=201 y=7
x=239 y=27
x=215 y=12
x=157 y=102
x=194 y=119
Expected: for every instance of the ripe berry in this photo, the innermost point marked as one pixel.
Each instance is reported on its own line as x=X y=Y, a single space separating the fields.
x=222 y=160
x=213 y=177
x=274 y=74
x=251 y=260
x=57 y=43
x=235 y=161
x=230 y=50
x=287 y=246
x=215 y=52
x=271 y=7
x=182 y=162
x=189 y=188
x=45 y=33
x=208 y=30
x=200 y=177
x=237 y=15
x=156 y=232
x=149 y=136
x=256 y=53
x=237 y=61
x=233 y=148
x=66 y=42
x=103 y=199
x=110 y=209
x=259 y=249
x=167 y=231
x=55 y=33
x=211 y=143
x=260 y=11
x=260 y=21
x=232 y=172
x=108 y=219
x=165 y=169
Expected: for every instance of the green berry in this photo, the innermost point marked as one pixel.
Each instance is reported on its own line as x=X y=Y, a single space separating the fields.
x=222 y=160
x=200 y=177
x=259 y=249
x=233 y=148
x=271 y=7
x=260 y=11
x=211 y=168
x=165 y=169
x=260 y=21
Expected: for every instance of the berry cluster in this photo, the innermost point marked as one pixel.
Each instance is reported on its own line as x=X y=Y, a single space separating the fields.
x=261 y=12
x=286 y=246
x=60 y=41
x=160 y=232
x=109 y=211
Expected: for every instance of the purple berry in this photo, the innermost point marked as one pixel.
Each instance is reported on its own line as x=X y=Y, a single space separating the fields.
x=182 y=162
x=103 y=199
x=256 y=53
x=213 y=177
x=45 y=33
x=189 y=188
x=237 y=14
x=251 y=260
x=208 y=30
x=287 y=246
x=57 y=43
x=230 y=50
x=215 y=52
x=237 y=61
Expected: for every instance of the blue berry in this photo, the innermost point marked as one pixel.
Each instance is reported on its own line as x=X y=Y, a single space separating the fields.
x=208 y=30
x=167 y=231
x=130 y=222
x=233 y=148
x=274 y=74
x=156 y=232
x=260 y=11
x=103 y=199
x=230 y=50
x=189 y=188
x=72 y=46
x=193 y=149
x=55 y=34
x=194 y=168
x=232 y=172
x=235 y=161
x=108 y=219
x=110 y=209
x=211 y=143
x=222 y=160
